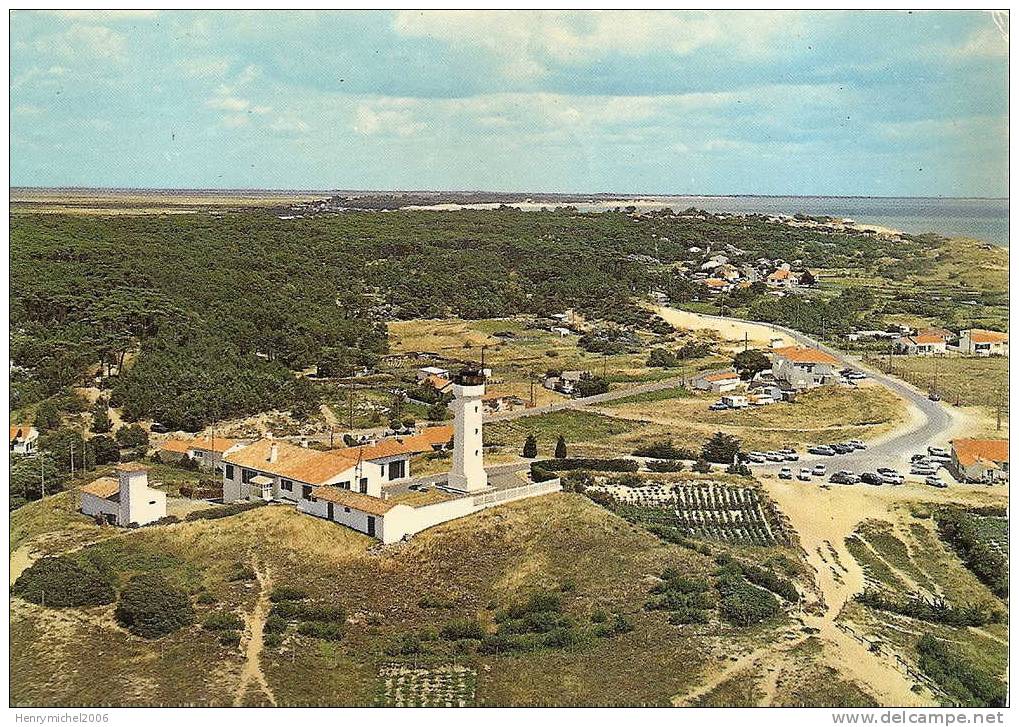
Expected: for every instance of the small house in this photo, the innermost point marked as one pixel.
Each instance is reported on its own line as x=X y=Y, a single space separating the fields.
x=124 y=500
x=800 y=367
x=921 y=344
x=208 y=451
x=24 y=439
x=735 y=401
x=980 y=342
x=980 y=460
x=718 y=382
x=427 y=372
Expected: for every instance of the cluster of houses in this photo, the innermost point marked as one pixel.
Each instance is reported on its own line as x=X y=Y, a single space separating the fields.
x=564 y=382
x=442 y=381
x=935 y=342
x=793 y=369
x=368 y=487
x=719 y=274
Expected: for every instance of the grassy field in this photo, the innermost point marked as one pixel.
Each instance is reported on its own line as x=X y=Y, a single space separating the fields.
x=474 y=566
x=960 y=380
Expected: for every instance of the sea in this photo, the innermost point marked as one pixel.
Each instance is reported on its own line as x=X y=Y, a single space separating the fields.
x=983 y=219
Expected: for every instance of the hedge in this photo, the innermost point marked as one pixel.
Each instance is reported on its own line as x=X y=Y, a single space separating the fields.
x=214 y=513
x=587 y=463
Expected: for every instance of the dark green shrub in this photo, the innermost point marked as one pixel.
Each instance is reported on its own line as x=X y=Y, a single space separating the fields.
x=273 y=640
x=223 y=621
x=205 y=598
x=957 y=675
x=214 y=513
x=463 y=628
x=743 y=603
x=230 y=638
x=664 y=450
x=665 y=465
x=65 y=581
x=287 y=593
x=151 y=607
x=320 y=630
x=683 y=616
x=275 y=625
x=432 y=600
x=619 y=625
x=593 y=464
x=600 y=616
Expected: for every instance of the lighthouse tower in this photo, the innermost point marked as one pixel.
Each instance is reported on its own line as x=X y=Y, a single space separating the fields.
x=468 y=472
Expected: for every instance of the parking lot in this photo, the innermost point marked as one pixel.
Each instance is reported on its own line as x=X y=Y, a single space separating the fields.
x=849 y=463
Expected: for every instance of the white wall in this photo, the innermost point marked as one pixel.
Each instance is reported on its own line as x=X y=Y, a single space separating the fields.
x=92 y=506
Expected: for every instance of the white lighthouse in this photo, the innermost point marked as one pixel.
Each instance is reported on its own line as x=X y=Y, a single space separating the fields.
x=468 y=472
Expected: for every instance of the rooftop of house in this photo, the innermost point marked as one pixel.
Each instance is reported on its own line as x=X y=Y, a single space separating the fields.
x=721 y=376
x=980 y=335
x=22 y=431
x=293 y=462
x=780 y=274
x=804 y=355
x=969 y=451
x=714 y=283
x=355 y=500
x=439 y=382
x=217 y=445
x=104 y=487
x=926 y=338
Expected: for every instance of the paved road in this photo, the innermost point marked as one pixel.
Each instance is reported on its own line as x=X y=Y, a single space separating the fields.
x=931 y=428
x=587 y=400
x=493 y=470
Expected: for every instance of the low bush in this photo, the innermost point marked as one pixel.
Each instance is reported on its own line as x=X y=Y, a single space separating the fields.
x=298 y=611
x=287 y=593
x=463 y=628
x=320 y=630
x=683 y=616
x=664 y=450
x=230 y=638
x=275 y=625
x=959 y=676
x=933 y=611
x=617 y=626
x=762 y=577
x=65 y=581
x=151 y=607
x=273 y=640
x=242 y=572
x=665 y=465
x=431 y=600
x=743 y=604
x=540 y=474
x=223 y=621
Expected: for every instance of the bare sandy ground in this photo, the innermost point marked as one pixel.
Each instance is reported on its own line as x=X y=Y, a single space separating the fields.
x=733 y=331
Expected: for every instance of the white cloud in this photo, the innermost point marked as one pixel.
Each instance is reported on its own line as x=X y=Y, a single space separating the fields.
x=289 y=125
x=388 y=117
x=990 y=41
x=204 y=67
x=228 y=103
x=88 y=41
x=104 y=15
x=525 y=43
x=233 y=121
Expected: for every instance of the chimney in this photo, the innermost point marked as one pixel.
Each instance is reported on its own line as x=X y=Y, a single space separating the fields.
x=273 y=452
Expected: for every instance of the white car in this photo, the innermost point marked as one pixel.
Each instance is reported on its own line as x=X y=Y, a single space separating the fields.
x=892 y=478
x=819 y=470
x=935 y=482
x=857 y=443
x=938 y=452
x=775 y=457
x=786 y=473
x=804 y=475
x=756 y=457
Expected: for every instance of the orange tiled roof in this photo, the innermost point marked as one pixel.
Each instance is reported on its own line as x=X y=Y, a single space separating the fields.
x=427 y=440
x=780 y=274
x=436 y=435
x=21 y=430
x=801 y=354
x=979 y=335
x=714 y=283
x=179 y=446
x=968 y=451
x=293 y=462
x=722 y=376
x=437 y=381
x=104 y=487
x=354 y=500
x=927 y=338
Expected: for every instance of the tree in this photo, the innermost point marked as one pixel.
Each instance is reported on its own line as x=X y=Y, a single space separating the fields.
x=46 y=416
x=133 y=436
x=750 y=363
x=721 y=448
x=591 y=386
x=438 y=411
x=560 y=447
x=807 y=278
x=661 y=358
x=150 y=606
x=530 y=447
x=701 y=466
x=101 y=417
x=105 y=449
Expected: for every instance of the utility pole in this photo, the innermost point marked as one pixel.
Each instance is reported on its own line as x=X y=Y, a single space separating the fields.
x=42 y=467
x=350 y=399
x=997 y=409
x=746 y=341
x=72 y=459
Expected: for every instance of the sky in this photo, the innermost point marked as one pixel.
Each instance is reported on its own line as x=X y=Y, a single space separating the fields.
x=653 y=102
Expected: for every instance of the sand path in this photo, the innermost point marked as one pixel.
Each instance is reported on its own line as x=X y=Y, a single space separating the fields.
x=252 y=670
x=728 y=329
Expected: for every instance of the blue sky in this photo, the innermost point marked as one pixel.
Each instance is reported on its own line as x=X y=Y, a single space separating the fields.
x=864 y=103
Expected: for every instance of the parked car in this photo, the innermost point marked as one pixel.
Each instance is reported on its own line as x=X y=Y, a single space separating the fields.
x=757 y=457
x=791 y=456
x=938 y=452
x=871 y=478
x=718 y=406
x=922 y=470
x=886 y=470
x=934 y=396
x=844 y=477
x=775 y=457
x=935 y=482
x=892 y=478
x=822 y=449
x=820 y=470
x=918 y=457
x=804 y=475
x=158 y=428
x=856 y=444
x=843 y=448
x=786 y=473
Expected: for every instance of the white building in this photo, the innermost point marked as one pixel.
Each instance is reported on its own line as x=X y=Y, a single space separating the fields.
x=980 y=342
x=274 y=470
x=427 y=371
x=124 y=500
x=718 y=382
x=24 y=439
x=468 y=472
x=208 y=452
x=921 y=344
x=804 y=368
x=980 y=460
